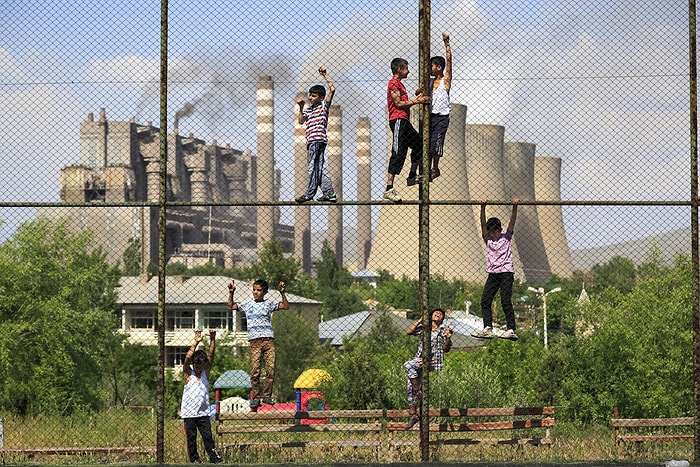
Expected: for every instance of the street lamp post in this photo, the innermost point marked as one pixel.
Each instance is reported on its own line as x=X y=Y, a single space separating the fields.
x=540 y=291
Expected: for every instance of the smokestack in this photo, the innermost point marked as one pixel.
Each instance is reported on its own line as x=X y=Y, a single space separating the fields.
x=364 y=191
x=302 y=213
x=334 y=159
x=548 y=188
x=519 y=173
x=93 y=141
x=265 y=159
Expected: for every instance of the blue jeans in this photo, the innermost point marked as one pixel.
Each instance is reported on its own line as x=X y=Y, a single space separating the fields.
x=319 y=176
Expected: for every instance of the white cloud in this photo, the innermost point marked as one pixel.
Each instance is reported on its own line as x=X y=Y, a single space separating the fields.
x=10 y=71
x=36 y=141
x=608 y=99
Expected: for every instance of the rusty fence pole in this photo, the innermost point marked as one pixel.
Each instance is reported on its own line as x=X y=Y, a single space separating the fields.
x=695 y=280
x=424 y=223
x=163 y=170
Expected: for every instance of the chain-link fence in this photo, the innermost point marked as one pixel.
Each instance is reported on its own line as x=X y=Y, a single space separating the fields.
x=567 y=121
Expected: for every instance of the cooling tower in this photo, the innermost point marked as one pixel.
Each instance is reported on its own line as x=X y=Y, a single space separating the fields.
x=334 y=159
x=265 y=159
x=455 y=244
x=519 y=177
x=395 y=240
x=548 y=188
x=302 y=213
x=364 y=191
x=485 y=169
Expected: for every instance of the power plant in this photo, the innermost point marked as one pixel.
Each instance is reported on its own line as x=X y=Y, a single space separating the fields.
x=119 y=162
x=478 y=164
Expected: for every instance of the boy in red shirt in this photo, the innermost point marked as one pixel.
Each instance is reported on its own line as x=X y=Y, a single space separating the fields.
x=404 y=135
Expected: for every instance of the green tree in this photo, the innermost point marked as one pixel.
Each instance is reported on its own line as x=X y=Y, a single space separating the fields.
x=296 y=348
x=618 y=273
x=330 y=275
x=130 y=373
x=653 y=264
x=636 y=355
x=273 y=266
x=132 y=258
x=57 y=300
x=334 y=284
x=369 y=373
x=178 y=269
x=401 y=294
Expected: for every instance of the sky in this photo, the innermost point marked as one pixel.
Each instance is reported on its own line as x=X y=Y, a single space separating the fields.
x=601 y=84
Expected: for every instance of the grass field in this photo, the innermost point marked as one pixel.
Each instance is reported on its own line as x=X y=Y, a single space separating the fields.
x=137 y=429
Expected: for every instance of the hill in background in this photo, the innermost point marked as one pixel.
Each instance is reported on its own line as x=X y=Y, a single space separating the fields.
x=669 y=243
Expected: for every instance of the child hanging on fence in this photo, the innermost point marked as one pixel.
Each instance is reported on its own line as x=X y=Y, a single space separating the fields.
x=440 y=342
x=316 y=118
x=441 y=82
x=404 y=135
x=195 y=398
x=499 y=266
x=261 y=338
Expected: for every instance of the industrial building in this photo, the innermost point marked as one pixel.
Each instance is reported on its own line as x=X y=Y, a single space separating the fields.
x=119 y=162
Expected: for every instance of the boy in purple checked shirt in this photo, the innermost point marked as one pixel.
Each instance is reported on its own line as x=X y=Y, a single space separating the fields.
x=499 y=266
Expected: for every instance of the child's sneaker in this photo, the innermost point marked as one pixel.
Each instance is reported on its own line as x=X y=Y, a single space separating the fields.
x=254 y=403
x=486 y=333
x=510 y=335
x=412 y=420
x=392 y=195
x=302 y=199
x=332 y=198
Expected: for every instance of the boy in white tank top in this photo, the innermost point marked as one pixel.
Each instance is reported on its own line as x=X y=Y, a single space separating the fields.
x=441 y=71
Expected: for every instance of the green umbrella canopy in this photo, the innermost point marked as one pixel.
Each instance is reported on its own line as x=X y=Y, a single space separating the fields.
x=233 y=379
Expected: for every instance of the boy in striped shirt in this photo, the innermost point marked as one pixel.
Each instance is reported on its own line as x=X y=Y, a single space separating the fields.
x=316 y=118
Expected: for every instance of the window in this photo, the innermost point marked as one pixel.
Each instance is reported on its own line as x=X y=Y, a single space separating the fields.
x=142 y=320
x=175 y=356
x=215 y=320
x=244 y=322
x=179 y=320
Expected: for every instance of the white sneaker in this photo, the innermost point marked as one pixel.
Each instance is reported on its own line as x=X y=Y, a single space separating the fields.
x=392 y=195
x=486 y=333
x=510 y=335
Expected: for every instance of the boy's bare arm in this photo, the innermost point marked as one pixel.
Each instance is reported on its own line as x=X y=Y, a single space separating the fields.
x=331 y=88
x=447 y=73
x=301 y=103
x=284 y=304
x=212 y=349
x=513 y=215
x=447 y=345
x=187 y=364
x=231 y=304
x=411 y=330
x=399 y=104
